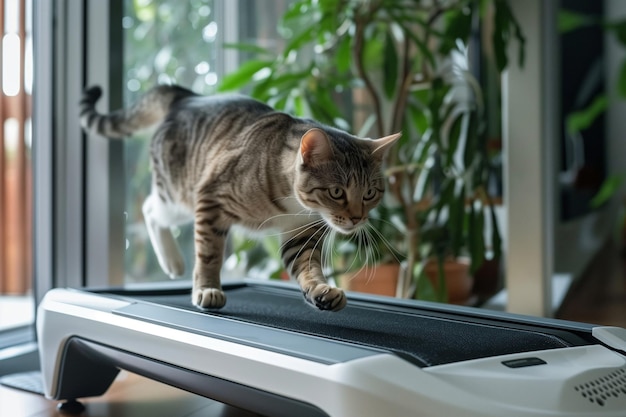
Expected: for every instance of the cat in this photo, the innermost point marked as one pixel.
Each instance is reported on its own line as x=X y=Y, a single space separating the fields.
x=226 y=160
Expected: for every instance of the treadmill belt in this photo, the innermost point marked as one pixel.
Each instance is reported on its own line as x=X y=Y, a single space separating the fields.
x=423 y=337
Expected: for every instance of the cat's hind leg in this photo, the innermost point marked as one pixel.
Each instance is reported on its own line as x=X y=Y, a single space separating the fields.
x=163 y=242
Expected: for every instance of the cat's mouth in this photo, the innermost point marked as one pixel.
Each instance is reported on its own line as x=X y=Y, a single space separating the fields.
x=347 y=231
x=346 y=227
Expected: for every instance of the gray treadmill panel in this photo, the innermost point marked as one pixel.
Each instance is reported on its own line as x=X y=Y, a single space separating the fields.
x=422 y=337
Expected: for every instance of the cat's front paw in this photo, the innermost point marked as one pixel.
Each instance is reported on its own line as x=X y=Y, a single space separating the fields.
x=325 y=297
x=208 y=298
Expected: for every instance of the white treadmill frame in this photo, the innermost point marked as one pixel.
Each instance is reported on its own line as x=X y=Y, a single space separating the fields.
x=80 y=334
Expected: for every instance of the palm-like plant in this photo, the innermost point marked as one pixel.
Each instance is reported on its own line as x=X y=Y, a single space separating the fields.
x=401 y=66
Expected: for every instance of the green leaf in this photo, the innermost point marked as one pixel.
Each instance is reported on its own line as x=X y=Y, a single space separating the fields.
x=279 y=102
x=246 y=47
x=621 y=81
x=496 y=238
x=500 y=39
x=607 y=190
x=569 y=21
x=446 y=194
x=506 y=26
x=619 y=28
x=458 y=27
x=299 y=105
x=439 y=90
x=343 y=55
x=306 y=36
x=456 y=223
x=454 y=137
x=423 y=48
x=373 y=50
x=390 y=66
x=419 y=119
x=296 y=10
x=425 y=290
x=323 y=106
x=145 y=12
x=471 y=151
x=582 y=119
x=243 y=75
x=476 y=238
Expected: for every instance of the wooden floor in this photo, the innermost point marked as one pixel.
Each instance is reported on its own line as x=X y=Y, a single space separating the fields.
x=129 y=396
x=599 y=297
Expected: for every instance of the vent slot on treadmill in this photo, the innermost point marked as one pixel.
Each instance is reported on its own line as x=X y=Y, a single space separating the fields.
x=603 y=389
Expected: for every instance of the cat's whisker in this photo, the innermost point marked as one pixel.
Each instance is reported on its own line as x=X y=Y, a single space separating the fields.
x=303 y=246
x=332 y=249
x=372 y=253
x=363 y=251
x=300 y=229
x=284 y=215
x=357 y=256
x=389 y=223
x=327 y=246
x=394 y=251
x=304 y=228
x=324 y=230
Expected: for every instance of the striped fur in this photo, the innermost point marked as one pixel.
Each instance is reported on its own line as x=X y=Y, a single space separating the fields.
x=227 y=160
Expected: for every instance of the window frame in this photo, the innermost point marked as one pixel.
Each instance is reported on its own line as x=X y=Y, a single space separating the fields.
x=80 y=229
x=68 y=243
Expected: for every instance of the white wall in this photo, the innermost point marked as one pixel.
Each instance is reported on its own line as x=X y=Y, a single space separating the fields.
x=530 y=133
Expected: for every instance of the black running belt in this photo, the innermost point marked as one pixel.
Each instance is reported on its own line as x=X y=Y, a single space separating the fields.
x=424 y=337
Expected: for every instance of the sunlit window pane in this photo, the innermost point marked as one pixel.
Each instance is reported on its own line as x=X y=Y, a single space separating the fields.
x=11 y=69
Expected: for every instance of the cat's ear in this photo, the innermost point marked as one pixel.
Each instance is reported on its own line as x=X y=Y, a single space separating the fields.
x=381 y=146
x=314 y=147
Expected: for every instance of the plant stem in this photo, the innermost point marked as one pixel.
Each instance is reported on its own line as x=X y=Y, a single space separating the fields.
x=360 y=67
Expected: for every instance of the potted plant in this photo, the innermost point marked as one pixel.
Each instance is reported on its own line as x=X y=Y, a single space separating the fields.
x=400 y=66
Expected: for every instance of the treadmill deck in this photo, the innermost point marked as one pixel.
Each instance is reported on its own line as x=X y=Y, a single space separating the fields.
x=424 y=337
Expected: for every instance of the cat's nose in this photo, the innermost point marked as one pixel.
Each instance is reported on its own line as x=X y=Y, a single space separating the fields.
x=356 y=220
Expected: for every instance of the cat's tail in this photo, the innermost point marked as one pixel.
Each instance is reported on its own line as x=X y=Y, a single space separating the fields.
x=150 y=109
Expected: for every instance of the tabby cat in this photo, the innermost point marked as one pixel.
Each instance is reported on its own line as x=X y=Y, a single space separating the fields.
x=228 y=160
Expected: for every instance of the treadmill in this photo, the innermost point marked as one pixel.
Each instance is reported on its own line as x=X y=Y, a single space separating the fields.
x=268 y=352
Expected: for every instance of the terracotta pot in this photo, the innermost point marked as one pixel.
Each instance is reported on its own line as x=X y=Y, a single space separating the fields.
x=459 y=282
x=377 y=279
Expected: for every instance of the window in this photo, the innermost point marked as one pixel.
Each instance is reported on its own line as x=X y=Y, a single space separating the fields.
x=164 y=42
x=92 y=232
x=182 y=42
x=16 y=301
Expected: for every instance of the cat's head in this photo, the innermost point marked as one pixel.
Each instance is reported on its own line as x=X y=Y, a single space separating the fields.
x=340 y=176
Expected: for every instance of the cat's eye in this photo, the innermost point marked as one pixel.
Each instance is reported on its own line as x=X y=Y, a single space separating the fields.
x=370 y=194
x=335 y=193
